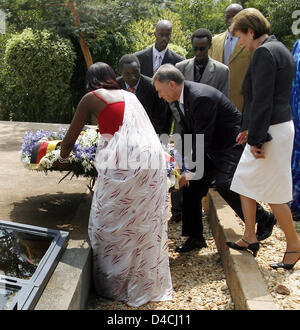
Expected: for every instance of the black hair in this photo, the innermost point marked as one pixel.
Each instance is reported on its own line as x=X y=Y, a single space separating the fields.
x=202 y=33
x=128 y=59
x=101 y=75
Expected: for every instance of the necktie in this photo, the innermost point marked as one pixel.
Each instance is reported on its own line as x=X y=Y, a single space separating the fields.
x=131 y=89
x=180 y=107
x=175 y=112
x=178 y=113
x=198 y=71
x=227 y=50
x=157 y=63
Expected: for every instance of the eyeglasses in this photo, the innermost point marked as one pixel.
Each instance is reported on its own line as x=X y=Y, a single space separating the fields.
x=201 y=49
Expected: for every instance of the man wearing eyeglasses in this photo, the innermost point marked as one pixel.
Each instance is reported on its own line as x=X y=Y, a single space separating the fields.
x=202 y=68
x=152 y=58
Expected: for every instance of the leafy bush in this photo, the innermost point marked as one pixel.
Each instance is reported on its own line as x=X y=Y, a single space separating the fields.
x=110 y=47
x=178 y=49
x=35 y=77
x=279 y=13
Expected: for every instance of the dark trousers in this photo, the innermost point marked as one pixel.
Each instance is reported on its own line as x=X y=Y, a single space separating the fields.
x=176 y=204
x=221 y=170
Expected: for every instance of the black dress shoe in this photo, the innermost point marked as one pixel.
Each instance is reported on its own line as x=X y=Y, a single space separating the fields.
x=296 y=215
x=190 y=244
x=265 y=227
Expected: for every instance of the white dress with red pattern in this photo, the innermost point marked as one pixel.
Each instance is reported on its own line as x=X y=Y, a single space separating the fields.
x=128 y=219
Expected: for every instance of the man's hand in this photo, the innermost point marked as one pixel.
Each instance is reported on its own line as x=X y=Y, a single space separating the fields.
x=183 y=181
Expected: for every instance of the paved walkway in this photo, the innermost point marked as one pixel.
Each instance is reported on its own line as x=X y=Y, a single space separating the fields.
x=33 y=197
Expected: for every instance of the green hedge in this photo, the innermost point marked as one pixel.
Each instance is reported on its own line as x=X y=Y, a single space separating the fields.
x=35 y=78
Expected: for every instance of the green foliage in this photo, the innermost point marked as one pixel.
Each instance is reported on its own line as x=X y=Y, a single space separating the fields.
x=142 y=31
x=143 y=34
x=110 y=46
x=210 y=14
x=104 y=24
x=111 y=28
x=178 y=49
x=279 y=14
x=198 y=14
x=35 y=78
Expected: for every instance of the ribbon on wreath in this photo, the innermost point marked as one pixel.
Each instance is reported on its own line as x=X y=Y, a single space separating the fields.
x=40 y=150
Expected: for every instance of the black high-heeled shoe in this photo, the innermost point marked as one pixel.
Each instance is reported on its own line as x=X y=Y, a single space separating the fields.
x=283 y=265
x=253 y=247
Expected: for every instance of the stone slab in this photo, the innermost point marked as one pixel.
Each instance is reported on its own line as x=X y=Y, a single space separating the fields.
x=244 y=279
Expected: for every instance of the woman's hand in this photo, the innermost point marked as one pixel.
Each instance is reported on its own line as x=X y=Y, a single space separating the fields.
x=242 y=137
x=257 y=152
x=61 y=166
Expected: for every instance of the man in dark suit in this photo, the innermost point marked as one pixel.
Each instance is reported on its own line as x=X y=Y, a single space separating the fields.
x=132 y=80
x=202 y=109
x=151 y=58
x=200 y=68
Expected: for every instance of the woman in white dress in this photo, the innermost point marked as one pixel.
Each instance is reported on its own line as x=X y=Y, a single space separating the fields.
x=128 y=219
x=264 y=171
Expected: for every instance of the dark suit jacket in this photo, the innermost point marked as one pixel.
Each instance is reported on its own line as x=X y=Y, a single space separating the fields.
x=145 y=57
x=156 y=108
x=266 y=90
x=208 y=111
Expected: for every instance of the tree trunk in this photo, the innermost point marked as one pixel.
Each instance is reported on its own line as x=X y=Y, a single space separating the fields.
x=83 y=45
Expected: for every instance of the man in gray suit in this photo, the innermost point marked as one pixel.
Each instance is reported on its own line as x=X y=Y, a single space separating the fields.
x=201 y=68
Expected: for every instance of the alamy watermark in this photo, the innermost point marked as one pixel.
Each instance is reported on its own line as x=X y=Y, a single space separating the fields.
x=296 y=23
x=2 y=22
x=127 y=154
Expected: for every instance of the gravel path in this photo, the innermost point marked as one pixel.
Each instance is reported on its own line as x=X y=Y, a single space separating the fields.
x=199 y=280
x=283 y=285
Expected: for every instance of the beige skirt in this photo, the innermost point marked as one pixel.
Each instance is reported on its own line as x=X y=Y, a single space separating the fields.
x=268 y=180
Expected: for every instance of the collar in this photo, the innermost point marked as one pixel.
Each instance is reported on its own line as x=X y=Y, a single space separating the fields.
x=136 y=85
x=270 y=38
x=203 y=64
x=181 y=100
x=157 y=53
x=228 y=34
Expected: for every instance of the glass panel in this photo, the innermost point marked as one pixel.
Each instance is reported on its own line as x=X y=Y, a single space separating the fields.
x=6 y=297
x=21 y=252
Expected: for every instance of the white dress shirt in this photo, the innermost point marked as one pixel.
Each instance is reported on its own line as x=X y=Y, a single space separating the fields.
x=157 y=58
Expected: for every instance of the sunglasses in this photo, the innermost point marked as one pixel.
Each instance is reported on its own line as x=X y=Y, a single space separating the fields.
x=201 y=49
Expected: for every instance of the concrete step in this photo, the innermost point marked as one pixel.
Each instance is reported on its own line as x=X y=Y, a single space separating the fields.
x=244 y=279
